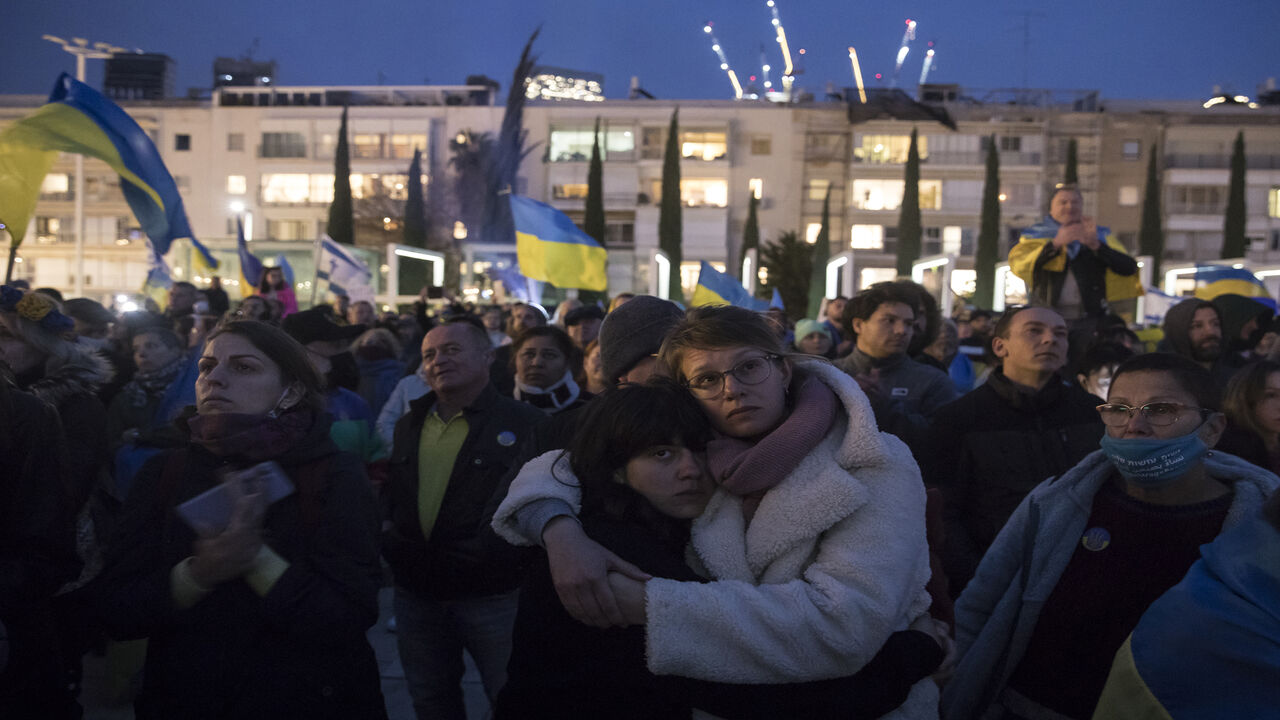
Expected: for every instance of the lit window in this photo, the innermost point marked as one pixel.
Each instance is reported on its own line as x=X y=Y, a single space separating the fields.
x=1128 y=195
x=55 y=183
x=811 y=232
x=867 y=237
x=887 y=194
x=237 y=185
x=951 y=239
x=574 y=144
x=402 y=146
x=818 y=189
x=704 y=145
x=286 y=188
x=699 y=192
x=569 y=191
x=1273 y=202
x=756 y=186
x=888 y=149
x=322 y=188
x=367 y=145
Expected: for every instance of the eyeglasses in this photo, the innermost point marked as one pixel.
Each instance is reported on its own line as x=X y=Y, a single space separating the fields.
x=752 y=371
x=1158 y=414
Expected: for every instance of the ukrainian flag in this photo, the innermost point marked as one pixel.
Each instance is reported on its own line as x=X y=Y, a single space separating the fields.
x=250 y=265
x=717 y=288
x=1215 y=280
x=550 y=248
x=78 y=119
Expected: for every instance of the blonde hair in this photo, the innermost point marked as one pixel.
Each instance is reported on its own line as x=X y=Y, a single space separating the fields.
x=716 y=327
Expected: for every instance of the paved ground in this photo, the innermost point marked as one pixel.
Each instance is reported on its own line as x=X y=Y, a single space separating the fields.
x=97 y=684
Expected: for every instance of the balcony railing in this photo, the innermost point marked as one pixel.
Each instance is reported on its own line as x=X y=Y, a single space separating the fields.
x=1219 y=162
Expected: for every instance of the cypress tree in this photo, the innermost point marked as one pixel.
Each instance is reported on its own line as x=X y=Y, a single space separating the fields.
x=821 y=253
x=593 y=218
x=988 y=251
x=1233 y=239
x=750 y=235
x=341 y=221
x=789 y=260
x=412 y=275
x=670 y=222
x=415 y=212
x=1072 y=174
x=1151 y=234
x=909 y=230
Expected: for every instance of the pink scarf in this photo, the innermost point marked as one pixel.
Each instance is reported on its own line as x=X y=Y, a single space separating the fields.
x=750 y=470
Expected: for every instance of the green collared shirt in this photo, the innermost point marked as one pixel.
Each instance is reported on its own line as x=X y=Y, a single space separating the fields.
x=438 y=448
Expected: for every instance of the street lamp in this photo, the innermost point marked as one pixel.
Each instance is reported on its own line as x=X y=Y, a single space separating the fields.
x=83 y=51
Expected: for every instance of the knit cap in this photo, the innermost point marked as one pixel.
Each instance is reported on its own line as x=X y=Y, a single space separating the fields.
x=635 y=331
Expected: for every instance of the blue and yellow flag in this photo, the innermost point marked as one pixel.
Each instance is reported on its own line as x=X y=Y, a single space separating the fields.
x=717 y=288
x=250 y=265
x=80 y=120
x=159 y=278
x=1215 y=280
x=550 y=248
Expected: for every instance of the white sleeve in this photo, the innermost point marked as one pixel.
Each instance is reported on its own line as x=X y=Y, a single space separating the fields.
x=546 y=477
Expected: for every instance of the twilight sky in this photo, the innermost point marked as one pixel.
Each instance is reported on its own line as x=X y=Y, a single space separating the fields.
x=1162 y=49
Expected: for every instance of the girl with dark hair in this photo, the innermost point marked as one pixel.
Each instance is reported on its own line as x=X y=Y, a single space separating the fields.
x=545 y=360
x=264 y=617
x=273 y=286
x=1252 y=405
x=639 y=459
x=815 y=533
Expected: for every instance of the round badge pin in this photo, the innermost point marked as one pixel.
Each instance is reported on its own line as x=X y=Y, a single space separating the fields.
x=506 y=438
x=1095 y=539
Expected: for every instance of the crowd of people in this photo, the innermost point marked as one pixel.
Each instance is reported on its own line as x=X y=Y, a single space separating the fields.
x=637 y=511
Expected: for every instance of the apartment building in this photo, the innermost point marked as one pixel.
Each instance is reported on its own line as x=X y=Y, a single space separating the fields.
x=267 y=153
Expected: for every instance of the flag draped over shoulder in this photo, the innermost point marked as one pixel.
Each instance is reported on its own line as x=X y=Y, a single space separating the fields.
x=717 y=288
x=550 y=248
x=250 y=265
x=346 y=273
x=1215 y=280
x=80 y=120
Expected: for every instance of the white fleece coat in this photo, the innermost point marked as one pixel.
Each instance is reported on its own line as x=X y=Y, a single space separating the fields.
x=833 y=562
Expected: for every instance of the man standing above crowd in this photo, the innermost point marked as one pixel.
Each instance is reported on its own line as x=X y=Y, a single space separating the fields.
x=1072 y=265
x=902 y=391
x=989 y=448
x=456 y=582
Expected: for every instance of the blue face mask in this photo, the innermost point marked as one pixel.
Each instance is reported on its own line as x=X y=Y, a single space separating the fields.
x=1154 y=462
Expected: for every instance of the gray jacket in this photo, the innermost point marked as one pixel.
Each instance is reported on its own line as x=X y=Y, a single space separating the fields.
x=997 y=613
x=911 y=392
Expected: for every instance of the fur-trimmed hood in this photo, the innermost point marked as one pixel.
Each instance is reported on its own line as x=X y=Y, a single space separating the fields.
x=87 y=371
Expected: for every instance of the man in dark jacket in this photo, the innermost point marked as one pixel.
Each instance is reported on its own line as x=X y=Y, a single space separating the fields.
x=456 y=581
x=903 y=392
x=1193 y=329
x=993 y=445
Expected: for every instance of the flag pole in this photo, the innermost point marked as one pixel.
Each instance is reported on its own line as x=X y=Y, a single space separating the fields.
x=315 y=264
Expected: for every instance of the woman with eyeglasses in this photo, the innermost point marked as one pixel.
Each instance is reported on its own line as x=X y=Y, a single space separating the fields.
x=815 y=534
x=1086 y=553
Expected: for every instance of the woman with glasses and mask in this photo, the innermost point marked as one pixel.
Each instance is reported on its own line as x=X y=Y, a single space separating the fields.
x=815 y=534
x=1086 y=553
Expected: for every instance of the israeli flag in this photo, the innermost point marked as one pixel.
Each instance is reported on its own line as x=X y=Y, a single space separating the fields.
x=346 y=273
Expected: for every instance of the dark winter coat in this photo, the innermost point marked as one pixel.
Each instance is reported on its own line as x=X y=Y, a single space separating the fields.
x=991 y=447
x=301 y=650
x=37 y=552
x=464 y=558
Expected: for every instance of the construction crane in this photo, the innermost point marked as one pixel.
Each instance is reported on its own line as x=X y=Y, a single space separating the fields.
x=724 y=61
x=857 y=74
x=928 y=64
x=903 y=49
x=788 y=71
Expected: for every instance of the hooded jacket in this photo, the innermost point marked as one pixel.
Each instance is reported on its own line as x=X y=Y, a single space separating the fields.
x=1177 y=339
x=997 y=613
